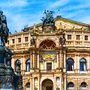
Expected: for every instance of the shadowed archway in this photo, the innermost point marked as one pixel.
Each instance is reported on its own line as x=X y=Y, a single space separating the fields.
x=47 y=84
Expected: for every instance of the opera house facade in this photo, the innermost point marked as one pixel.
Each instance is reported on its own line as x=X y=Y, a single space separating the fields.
x=54 y=55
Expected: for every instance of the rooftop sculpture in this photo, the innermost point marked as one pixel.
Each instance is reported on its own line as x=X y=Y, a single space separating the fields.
x=48 y=20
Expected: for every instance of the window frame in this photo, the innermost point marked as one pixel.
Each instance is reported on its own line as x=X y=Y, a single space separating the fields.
x=26 y=39
x=70 y=64
x=70 y=86
x=19 y=40
x=82 y=85
x=83 y=63
x=77 y=37
x=8 y=42
x=49 y=66
x=69 y=37
x=13 y=41
x=28 y=63
x=16 y=64
x=86 y=37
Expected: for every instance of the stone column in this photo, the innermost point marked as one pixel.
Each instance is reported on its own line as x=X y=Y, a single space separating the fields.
x=60 y=58
x=10 y=42
x=22 y=41
x=33 y=59
x=60 y=83
x=31 y=84
x=15 y=41
x=64 y=59
x=73 y=38
x=40 y=86
x=88 y=62
x=57 y=60
x=75 y=62
x=29 y=40
x=78 y=64
x=22 y=65
x=65 y=83
x=82 y=38
x=39 y=83
x=23 y=62
x=38 y=60
x=31 y=66
x=54 y=83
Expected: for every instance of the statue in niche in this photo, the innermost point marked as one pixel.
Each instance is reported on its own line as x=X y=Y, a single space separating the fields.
x=62 y=40
x=49 y=20
x=32 y=41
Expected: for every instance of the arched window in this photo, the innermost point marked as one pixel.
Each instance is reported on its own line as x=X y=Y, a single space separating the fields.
x=47 y=44
x=16 y=66
x=28 y=65
x=83 y=84
x=70 y=64
x=82 y=65
x=28 y=85
x=70 y=84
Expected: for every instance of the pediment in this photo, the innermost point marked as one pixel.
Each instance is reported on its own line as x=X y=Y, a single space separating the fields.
x=63 y=23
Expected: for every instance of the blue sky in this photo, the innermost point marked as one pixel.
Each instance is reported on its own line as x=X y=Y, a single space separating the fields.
x=6 y=89
x=27 y=12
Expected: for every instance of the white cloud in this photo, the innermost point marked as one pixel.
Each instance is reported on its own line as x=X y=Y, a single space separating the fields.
x=85 y=20
x=58 y=3
x=76 y=7
x=14 y=3
x=74 y=14
x=17 y=20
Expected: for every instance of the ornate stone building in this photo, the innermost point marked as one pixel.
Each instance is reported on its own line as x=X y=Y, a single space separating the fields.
x=54 y=55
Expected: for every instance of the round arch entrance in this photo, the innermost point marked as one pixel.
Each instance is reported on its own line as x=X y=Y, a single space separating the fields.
x=47 y=84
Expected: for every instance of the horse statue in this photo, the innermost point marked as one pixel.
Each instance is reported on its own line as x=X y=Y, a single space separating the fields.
x=49 y=20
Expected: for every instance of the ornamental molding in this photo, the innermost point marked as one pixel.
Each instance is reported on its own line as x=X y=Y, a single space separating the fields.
x=49 y=57
x=17 y=57
x=54 y=39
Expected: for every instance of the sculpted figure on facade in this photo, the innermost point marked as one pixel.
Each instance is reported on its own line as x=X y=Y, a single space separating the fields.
x=62 y=40
x=32 y=41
